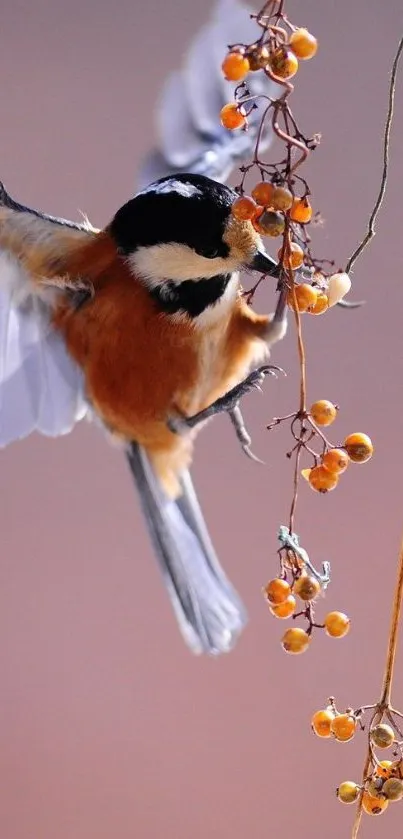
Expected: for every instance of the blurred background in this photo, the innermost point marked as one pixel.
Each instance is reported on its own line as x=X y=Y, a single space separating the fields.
x=108 y=725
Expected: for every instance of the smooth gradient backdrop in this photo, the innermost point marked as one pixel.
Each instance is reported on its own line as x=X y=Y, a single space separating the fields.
x=108 y=726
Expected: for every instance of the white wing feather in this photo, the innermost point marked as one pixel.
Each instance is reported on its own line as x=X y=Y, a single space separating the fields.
x=190 y=137
x=41 y=387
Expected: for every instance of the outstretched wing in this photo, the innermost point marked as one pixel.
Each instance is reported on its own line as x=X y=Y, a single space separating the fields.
x=41 y=387
x=190 y=137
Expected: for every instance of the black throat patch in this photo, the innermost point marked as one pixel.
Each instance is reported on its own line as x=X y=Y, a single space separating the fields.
x=191 y=297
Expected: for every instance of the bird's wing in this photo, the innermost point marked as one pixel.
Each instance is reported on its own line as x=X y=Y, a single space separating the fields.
x=190 y=137
x=41 y=387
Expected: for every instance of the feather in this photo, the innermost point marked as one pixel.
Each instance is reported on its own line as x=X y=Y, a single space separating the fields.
x=41 y=387
x=190 y=137
x=7 y=201
x=208 y=610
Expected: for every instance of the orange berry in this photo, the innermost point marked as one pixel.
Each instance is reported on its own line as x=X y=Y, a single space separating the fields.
x=373 y=805
x=255 y=220
x=393 y=789
x=307 y=588
x=343 y=727
x=374 y=786
x=235 y=66
x=284 y=609
x=386 y=768
x=258 y=58
x=321 y=304
x=244 y=208
x=337 y=624
x=281 y=199
x=321 y=722
x=295 y=258
x=322 y=480
x=303 y=44
x=306 y=297
x=283 y=63
x=359 y=447
x=336 y=460
x=232 y=117
x=301 y=210
x=262 y=193
x=348 y=792
x=272 y=223
x=277 y=591
x=323 y=412
x=296 y=640
x=382 y=735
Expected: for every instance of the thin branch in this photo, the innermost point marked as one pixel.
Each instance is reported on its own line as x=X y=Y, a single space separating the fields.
x=392 y=643
x=383 y=706
x=377 y=715
x=386 y=144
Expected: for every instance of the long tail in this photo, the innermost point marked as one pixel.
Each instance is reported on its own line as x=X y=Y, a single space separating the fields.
x=208 y=609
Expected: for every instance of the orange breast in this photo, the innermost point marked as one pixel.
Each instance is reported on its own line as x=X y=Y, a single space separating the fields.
x=142 y=366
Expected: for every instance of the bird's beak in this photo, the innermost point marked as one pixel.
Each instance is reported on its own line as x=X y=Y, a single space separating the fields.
x=264 y=263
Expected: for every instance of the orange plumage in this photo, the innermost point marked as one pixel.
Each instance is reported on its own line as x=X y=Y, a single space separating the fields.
x=142 y=366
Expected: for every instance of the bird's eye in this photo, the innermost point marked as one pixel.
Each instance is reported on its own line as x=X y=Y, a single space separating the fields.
x=210 y=253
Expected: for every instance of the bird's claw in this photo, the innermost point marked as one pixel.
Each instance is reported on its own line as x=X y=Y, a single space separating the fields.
x=252 y=456
x=229 y=403
x=254 y=380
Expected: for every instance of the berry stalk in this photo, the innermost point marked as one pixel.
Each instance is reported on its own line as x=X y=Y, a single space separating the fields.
x=383 y=707
x=279 y=206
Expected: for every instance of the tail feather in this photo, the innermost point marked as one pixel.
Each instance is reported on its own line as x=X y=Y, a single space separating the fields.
x=209 y=611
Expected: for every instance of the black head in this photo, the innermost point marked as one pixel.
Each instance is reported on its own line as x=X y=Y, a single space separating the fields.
x=189 y=210
x=180 y=237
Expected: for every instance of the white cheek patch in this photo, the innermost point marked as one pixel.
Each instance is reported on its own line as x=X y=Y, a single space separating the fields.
x=176 y=262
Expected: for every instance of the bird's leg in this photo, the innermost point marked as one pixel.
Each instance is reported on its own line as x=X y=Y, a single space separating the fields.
x=229 y=404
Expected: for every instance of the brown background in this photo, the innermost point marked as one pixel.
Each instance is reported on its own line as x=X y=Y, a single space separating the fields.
x=108 y=726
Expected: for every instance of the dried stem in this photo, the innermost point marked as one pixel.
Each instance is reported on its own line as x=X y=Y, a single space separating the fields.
x=302 y=361
x=386 y=143
x=286 y=254
x=295 y=493
x=384 y=703
x=394 y=627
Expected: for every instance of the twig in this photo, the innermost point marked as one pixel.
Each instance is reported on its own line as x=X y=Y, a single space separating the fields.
x=392 y=643
x=386 y=143
x=383 y=706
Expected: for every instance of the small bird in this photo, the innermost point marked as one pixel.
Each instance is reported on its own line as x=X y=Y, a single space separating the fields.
x=142 y=325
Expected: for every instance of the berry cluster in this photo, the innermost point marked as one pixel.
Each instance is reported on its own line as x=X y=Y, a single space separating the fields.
x=383 y=779
x=324 y=475
x=277 y=57
x=274 y=208
x=282 y=598
x=268 y=208
x=278 y=205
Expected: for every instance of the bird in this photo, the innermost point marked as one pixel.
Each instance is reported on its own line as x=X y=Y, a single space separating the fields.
x=143 y=326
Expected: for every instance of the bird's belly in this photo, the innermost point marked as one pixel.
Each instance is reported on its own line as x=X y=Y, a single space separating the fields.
x=219 y=371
